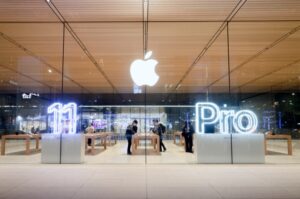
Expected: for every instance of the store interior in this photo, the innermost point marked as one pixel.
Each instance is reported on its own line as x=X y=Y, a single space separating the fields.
x=228 y=56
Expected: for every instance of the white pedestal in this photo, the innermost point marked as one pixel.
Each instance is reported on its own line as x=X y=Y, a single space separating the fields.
x=213 y=148
x=216 y=148
x=248 y=148
x=51 y=148
x=73 y=150
x=69 y=151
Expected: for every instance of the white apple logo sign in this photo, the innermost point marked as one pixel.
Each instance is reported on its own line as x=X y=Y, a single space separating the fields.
x=143 y=71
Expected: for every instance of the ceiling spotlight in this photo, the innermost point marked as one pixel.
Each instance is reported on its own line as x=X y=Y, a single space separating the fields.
x=13 y=82
x=49 y=70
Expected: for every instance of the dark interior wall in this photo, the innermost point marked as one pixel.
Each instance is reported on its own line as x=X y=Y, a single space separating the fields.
x=123 y=99
x=286 y=106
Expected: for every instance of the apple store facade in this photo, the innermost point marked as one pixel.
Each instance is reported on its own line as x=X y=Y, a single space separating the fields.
x=217 y=87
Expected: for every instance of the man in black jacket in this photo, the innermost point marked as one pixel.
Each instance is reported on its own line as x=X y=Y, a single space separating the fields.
x=159 y=129
x=187 y=133
x=130 y=131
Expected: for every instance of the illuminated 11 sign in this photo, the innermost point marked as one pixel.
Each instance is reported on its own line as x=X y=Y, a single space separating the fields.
x=207 y=113
x=64 y=117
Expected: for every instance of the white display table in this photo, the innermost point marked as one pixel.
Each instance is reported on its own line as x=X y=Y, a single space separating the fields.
x=69 y=149
x=219 y=148
x=51 y=148
x=73 y=148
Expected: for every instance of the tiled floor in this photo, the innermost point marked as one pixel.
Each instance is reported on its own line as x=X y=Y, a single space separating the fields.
x=36 y=181
x=173 y=174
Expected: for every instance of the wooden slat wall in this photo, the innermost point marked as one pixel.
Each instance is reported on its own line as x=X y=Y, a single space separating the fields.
x=79 y=67
x=175 y=45
x=190 y=10
x=104 y=10
x=25 y=10
x=114 y=46
x=269 y=10
x=210 y=67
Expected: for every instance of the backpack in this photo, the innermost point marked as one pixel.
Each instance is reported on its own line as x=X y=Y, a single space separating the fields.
x=129 y=130
x=163 y=128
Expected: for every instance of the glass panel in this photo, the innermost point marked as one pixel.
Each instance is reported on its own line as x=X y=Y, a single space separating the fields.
x=245 y=65
x=265 y=72
x=100 y=88
x=30 y=64
x=184 y=82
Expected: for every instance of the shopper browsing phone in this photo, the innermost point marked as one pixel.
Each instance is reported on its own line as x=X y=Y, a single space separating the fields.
x=130 y=131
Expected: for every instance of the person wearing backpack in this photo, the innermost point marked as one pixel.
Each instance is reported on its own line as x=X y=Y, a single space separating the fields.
x=159 y=129
x=130 y=131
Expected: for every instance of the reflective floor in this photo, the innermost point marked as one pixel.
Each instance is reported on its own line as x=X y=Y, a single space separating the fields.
x=116 y=154
x=149 y=181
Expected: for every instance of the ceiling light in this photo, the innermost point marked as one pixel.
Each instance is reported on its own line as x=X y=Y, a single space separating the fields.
x=49 y=70
x=148 y=55
x=13 y=82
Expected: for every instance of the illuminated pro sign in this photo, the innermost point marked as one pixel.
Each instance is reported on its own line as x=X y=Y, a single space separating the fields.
x=207 y=113
x=63 y=117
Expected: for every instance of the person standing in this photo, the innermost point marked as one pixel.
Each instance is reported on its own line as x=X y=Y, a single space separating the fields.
x=187 y=133
x=130 y=131
x=89 y=130
x=37 y=130
x=159 y=129
x=32 y=130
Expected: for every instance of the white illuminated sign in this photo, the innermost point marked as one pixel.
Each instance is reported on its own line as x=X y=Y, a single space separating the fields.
x=29 y=96
x=143 y=71
x=64 y=117
x=207 y=113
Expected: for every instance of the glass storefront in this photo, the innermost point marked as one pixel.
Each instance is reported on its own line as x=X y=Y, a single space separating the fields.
x=89 y=64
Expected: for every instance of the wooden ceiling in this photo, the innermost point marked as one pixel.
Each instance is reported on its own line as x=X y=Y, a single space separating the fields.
x=189 y=39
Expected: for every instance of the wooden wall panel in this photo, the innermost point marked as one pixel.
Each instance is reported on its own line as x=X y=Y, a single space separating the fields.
x=201 y=10
x=269 y=10
x=104 y=10
x=28 y=10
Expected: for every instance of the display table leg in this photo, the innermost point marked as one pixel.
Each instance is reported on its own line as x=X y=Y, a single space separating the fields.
x=158 y=145
x=289 y=143
x=266 y=150
x=37 y=143
x=93 y=146
x=3 y=142
x=133 y=145
x=104 y=143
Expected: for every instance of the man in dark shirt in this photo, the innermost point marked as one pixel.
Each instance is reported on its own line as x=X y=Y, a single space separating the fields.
x=187 y=133
x=130 y=131
x=159 y=129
